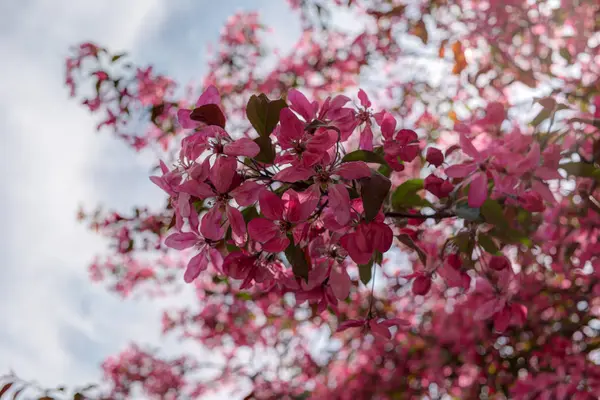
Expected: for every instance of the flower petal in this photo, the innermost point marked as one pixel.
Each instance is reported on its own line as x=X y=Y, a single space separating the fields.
x=247 y=193
x=197 y=264
x=293 y=174
x=262 y=230
x=478 y=190
x=242 y=147
x=181 y=241
x=353 y=170
x=271 y=205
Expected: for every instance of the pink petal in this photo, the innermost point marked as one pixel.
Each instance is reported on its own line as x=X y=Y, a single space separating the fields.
x=271 y=205
x=461 y=170
x=242 y=147
x=366 y=138
x=381 y=236
x=338 y=102
x=380 y=330
x=348 y=242
x=247 y=193
x=181 y=241
x=544 y=191
x=183 y=204
x=353 y=170
x=291 y=128
x=468 y=148
x=294 y=174
x=301 y=205
x=210 y=226
x=277 y=244
x=209 y=96
x=340 y=282
x=183 y=116
x=222 y=172
x=395 y=322
x=339 y=202
x=488 y=309
x=388 y=125
x=161 y=183
x=197 y=264
x=502 y=319
x=322 y=141
x=478 y=190
x=301 y=105
x=163 y=167
x=262 y=230
x=236 y=220
x=197 y=189
x=351 y=323
x=547 y=173
x=364 y=99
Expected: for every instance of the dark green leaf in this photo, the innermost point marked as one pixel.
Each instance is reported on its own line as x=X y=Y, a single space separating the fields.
x=581 y=169
x=243 y=296
x=464 y=243
x=210 y=114
x=487 y=243
x=263 y=113
x=407 y=240
x=117 y=56
x=373 y=192
x=512 y=236
x=366 y=156
x=249 y=213
x=541 y=117
x=365 y=272
x=494 y=214
x=564 y=52
x=406 y=194
x=297 y=258
x=267 y=151
x=385 y=170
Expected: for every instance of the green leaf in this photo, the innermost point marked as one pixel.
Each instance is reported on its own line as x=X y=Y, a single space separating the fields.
x=512 y=236
x=465 y=212
x=373 y=191
x=117 y=56
x=366 y=156
x=541 y=117
x=406 y=194
x=263 y=113
x=243 y=296
x=385 y=170
x=487 y=243
x=464 y=243
x=407 y=240
x=249 y=213
x=494 y=214
x=564 y=52
x=581 y=169
x=365 y=272
x=267 y=151
x=298 y=259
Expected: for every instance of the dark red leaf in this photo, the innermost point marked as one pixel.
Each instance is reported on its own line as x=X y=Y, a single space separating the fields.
x=210 y=114
x=5 y=388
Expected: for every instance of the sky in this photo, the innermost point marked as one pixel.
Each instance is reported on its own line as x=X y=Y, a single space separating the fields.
x=56 y=326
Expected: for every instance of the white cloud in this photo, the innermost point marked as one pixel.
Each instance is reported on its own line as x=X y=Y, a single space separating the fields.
x=56 y=326
x=48 y=151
